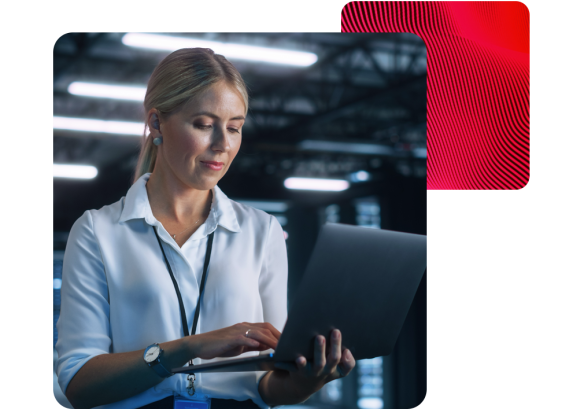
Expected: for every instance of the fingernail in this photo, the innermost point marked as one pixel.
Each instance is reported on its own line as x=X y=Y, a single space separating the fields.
x=299 y=360
x=321 y=340
x=337 y=334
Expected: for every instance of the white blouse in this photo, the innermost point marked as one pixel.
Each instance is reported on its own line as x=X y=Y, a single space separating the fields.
x=117 y=295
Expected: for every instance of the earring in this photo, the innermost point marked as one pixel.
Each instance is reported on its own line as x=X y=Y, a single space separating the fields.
x=158 y=140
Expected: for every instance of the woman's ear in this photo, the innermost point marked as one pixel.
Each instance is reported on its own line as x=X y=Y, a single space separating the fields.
x=154 y=120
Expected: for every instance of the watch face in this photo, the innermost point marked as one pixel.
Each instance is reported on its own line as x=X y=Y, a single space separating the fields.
x=152 y=353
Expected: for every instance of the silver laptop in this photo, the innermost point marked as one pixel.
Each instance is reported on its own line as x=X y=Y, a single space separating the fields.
x=361 y=281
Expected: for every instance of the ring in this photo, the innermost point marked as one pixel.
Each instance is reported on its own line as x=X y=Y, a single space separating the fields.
x=247 y=332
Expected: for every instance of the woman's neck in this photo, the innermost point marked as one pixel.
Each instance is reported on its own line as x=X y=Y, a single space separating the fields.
x=172 y=200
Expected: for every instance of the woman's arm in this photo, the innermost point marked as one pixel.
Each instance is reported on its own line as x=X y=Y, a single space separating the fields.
x=275 y=389
x=109 y=378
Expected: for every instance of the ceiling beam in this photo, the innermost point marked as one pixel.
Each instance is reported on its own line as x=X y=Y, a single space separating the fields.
x=84 y=43
x=370 y=98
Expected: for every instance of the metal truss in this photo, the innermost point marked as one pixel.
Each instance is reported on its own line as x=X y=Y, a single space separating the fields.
x=364 y=87
x=375 y=88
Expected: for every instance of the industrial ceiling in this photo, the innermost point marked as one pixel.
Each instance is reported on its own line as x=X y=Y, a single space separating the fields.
x=360 y=107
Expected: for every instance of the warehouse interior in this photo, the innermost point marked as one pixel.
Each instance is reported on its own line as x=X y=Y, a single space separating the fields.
x=356 y=114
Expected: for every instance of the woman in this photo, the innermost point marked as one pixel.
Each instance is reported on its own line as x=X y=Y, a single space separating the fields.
x=133 y=271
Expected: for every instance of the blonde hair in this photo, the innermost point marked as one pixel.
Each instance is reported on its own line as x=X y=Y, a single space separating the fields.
x=182 y=75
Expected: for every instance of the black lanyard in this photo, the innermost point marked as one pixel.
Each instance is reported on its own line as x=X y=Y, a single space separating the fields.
x=183 y=315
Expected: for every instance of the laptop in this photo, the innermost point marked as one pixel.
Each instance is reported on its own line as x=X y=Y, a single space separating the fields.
x=359 y=280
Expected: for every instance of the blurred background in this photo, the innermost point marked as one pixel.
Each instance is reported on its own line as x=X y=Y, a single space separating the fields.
x=336 y=132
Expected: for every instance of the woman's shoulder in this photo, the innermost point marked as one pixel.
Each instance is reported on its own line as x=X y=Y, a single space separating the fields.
x=252 y=218
x=107 y=214
x=84 y=236
x=246 y=211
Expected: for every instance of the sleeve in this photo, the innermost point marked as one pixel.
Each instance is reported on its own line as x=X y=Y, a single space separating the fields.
x=83 y=327
x=273 y=285
x=273 y=280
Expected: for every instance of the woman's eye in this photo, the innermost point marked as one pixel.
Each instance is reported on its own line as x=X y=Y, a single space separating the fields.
x=232 y=130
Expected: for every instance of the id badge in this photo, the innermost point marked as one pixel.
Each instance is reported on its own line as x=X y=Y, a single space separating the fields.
x=202 y=403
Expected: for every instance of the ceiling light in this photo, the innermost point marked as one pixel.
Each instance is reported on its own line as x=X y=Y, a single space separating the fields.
x=331 y=185
x=229 y=50
x=370 y=403
x=360 y=176
x=74 y=171
x=266 y=206
x=283 y=220
x=344 y=147
x=98 y=125
x=88 y=89
x=420 y=152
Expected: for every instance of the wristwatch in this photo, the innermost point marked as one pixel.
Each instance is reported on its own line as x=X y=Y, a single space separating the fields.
x=152 y=356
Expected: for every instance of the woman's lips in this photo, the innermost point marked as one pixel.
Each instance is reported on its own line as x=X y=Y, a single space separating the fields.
x=213 y=165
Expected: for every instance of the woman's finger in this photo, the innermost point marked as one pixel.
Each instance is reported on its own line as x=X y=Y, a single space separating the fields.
x=262 y=335
x=273 y=330
x=260 y=347
x=273 y=341
x=264 y=328
x=347 y=363
x=335 y=353
x=248 y=342
x=270 y=335
x=319 y=360
x=301 y=364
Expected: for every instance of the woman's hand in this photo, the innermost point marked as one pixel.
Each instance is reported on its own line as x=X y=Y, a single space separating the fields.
x=307 y=378
x=235 y=340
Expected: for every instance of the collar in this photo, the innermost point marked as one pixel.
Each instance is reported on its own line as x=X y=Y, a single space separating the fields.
x=137 y=206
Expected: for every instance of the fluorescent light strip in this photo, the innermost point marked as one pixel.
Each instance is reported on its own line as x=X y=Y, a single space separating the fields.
x=420 y=152
x=331 y=185
x=266 y=206
x=283 y=220
x=89 y=89
x=229 y=50
x=342 y=147
x=74 y=171
x=359 y=176
x=98 y=125
x=370 y=403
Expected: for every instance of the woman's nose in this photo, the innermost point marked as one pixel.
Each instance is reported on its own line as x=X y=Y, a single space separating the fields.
x=221 y=139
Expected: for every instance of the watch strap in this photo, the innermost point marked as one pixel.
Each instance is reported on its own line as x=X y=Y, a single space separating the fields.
x=160 y=369
x=157 y=364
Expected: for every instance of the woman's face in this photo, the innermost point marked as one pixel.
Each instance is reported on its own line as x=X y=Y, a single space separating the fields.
x=201 y=140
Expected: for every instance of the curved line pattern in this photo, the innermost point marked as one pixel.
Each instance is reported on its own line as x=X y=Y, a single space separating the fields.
x=478 y=85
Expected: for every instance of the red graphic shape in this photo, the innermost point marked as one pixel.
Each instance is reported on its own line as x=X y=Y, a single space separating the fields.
x=478 y=86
